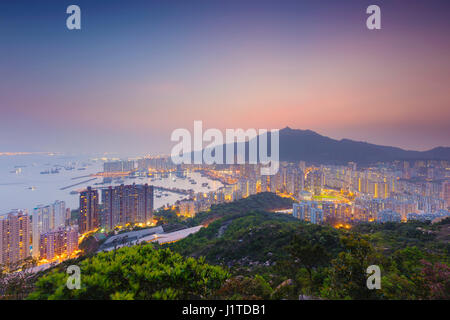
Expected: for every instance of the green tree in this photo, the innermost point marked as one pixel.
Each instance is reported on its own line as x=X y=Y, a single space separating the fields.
x=308 y=255
x=248 y=288
x=16 y=280
x=436 y=280
x=138 y=272
x=348 y=277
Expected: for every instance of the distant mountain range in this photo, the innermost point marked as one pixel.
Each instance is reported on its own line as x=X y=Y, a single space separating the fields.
x=307 y=145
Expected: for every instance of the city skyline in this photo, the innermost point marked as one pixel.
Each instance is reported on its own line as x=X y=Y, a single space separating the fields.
x=235 y=150
x=136 y=73
x=136 y=155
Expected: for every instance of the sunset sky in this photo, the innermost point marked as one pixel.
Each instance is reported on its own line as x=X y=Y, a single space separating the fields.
x=140 y=69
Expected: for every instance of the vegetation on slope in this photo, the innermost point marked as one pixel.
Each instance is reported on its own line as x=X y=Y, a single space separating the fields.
x=301 y=259
x=265 y=201
x=264 y=255
x=138 y=272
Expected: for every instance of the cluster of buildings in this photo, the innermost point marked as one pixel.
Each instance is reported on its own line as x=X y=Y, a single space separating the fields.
x=308 y=211
x=49 y=234
x=159 y=163
x=334 y=194
x=52 y=235
x=397 y=191
x=60 y=243
x=119 y=166
x=127 y=204
x=15 y=232
x=120 y=206
x=45 y=235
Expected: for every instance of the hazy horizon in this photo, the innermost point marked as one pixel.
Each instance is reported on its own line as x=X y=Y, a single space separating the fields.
x=113 y=154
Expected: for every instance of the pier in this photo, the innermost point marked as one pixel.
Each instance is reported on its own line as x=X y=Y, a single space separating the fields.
x=76 y=184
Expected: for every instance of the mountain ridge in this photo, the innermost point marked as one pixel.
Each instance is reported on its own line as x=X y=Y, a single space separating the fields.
x=307 y=145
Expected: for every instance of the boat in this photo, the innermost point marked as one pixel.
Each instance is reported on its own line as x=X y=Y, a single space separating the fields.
x=52 y=171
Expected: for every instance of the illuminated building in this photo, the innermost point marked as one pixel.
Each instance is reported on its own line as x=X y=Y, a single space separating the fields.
x=446 y=193
x=389 y=216
x=89 y=211
x=160 y=163
x=187 y=208
x=329 y=210
x=343 y=212
x=314 y=182
x=308 y=211
x=406 y=170
x=316 y=216
x=127 y=204
x=60 y=213
x=61 y=242
x=361 y=214
x=118 y=166
x=428 y=216
x=14 y=237
x=47 y=218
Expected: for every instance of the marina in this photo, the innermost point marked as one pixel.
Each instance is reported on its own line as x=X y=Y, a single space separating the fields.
x=27 y=188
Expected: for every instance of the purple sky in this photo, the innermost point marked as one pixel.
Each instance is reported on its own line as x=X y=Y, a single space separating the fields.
x=136 y=72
